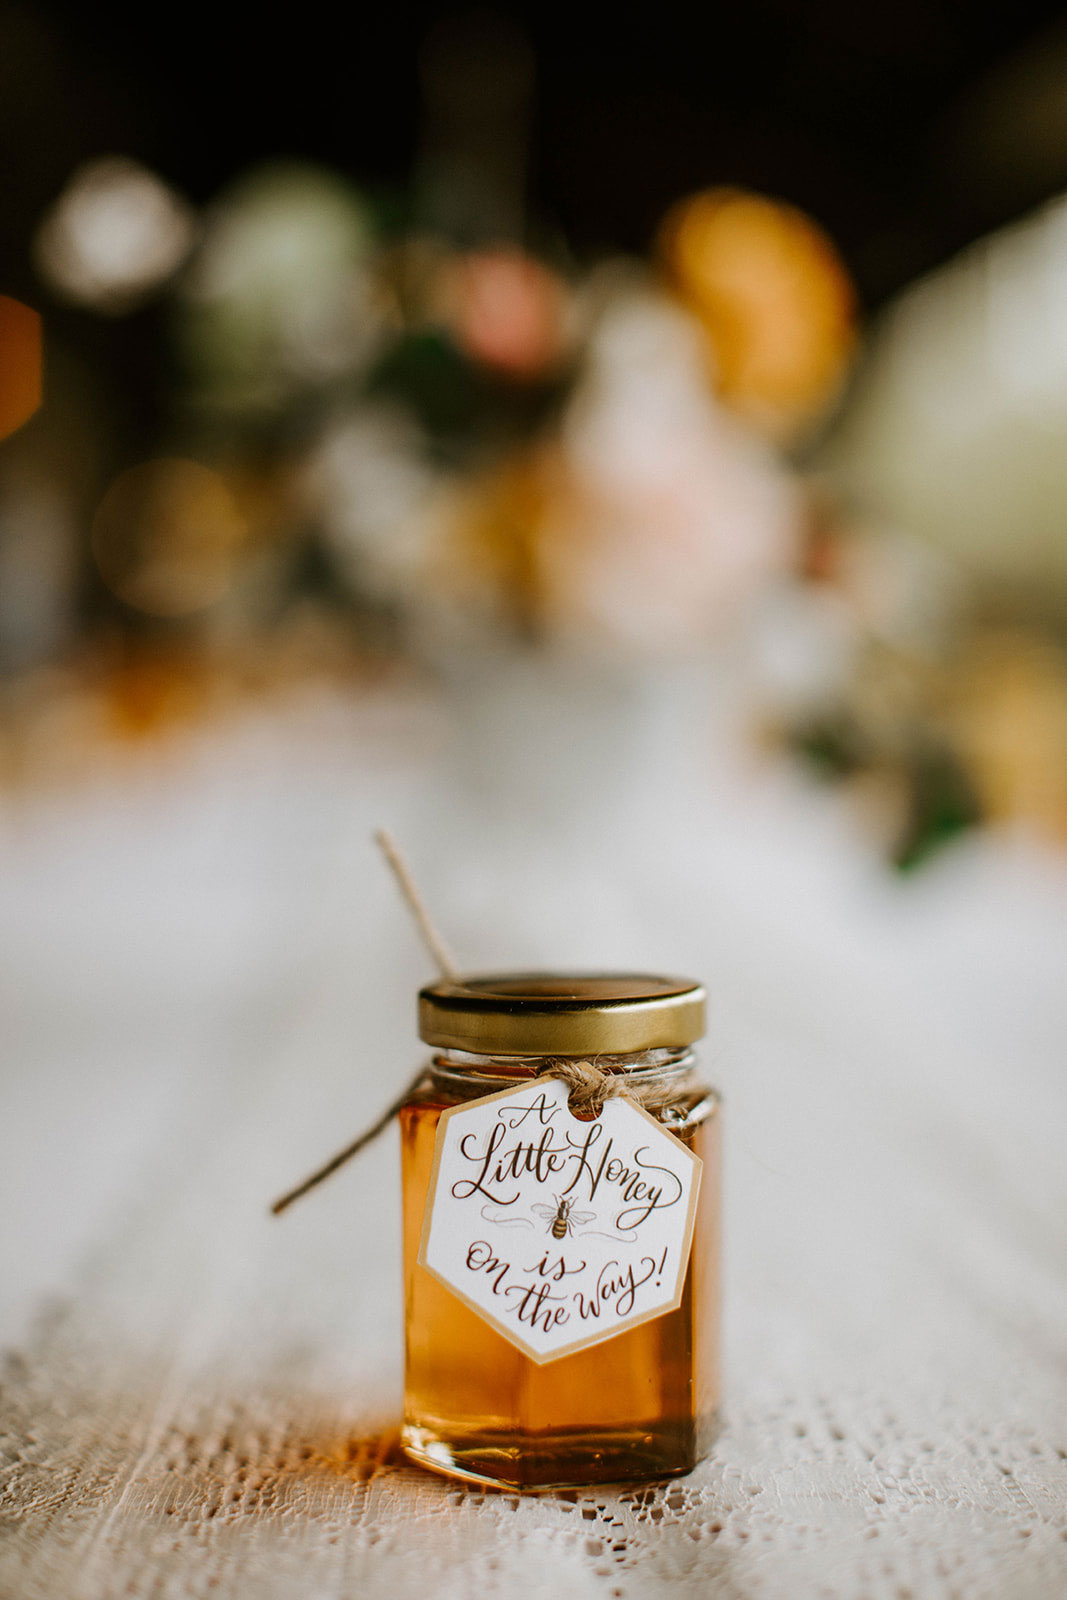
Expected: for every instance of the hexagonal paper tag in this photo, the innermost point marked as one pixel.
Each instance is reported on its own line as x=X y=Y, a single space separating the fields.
x=559 y=1231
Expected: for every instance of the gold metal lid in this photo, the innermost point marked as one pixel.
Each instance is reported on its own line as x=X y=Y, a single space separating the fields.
x=562 y=1013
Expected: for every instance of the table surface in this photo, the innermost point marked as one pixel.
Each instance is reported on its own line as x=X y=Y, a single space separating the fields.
x=207 y=985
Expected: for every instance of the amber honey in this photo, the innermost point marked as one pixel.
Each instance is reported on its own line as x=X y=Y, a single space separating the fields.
x=536 y=1366
x=641 y=1405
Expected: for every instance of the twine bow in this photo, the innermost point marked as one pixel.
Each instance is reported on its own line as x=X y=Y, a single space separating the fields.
x=591 y=1086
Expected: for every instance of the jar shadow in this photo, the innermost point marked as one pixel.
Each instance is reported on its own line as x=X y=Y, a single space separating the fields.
x=343 y=1480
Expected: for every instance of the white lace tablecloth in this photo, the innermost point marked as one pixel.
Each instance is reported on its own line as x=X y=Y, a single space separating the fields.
x=208 y=984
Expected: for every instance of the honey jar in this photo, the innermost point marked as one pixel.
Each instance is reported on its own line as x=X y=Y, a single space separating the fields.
x=561 y=1199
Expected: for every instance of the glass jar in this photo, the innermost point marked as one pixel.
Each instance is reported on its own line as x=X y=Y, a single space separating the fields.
x=639 y=1404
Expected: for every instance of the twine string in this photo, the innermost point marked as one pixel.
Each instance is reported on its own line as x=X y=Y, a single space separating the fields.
x=590 y=1085
x=365 y=1138
x=416 y=904
x=405 y=880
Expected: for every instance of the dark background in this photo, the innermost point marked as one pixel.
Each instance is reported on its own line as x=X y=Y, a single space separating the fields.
x=871 y=117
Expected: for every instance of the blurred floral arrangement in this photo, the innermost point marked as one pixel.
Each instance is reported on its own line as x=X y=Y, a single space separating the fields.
x=380 y=444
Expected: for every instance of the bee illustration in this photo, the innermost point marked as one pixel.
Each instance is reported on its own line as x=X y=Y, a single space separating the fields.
x=562 y=1217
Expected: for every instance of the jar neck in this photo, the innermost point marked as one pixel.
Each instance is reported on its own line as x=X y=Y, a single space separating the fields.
x=462 y=1067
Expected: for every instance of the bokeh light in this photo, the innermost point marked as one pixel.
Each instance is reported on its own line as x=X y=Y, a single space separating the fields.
x=646 y=524
x=956 y=427
x=1009 y=718
x=426 y=416
x=368 y=489
x=280 y=293
x=20 y=364
x=166 y=537
x=509 y=312
x=774 y=299
x=115 y=234
x=676 y=517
